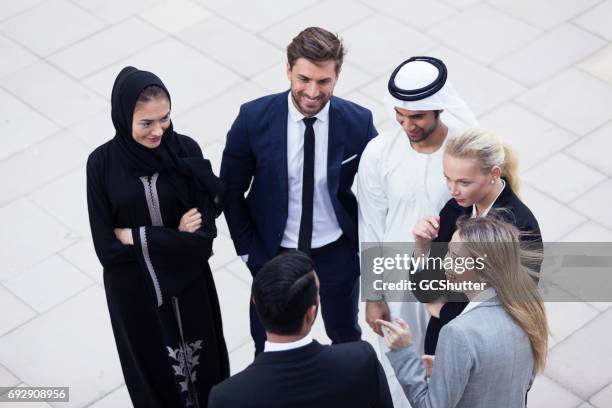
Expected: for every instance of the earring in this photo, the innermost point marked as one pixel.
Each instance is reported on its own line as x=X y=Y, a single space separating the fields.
x=492 y=181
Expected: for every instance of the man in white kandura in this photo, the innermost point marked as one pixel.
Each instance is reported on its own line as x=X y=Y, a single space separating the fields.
x=400 y=179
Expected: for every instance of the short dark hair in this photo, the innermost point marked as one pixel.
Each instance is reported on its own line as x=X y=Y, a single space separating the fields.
x=283 y=290
x=317 y=45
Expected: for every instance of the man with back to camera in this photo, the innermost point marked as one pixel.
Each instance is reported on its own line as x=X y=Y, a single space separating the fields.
x=297 y=153
x=294 y=370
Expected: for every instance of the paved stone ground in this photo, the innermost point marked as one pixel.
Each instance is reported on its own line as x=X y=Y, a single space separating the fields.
x=538 y=72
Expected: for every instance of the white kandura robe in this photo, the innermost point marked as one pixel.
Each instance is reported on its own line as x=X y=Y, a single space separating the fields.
x=397 y=186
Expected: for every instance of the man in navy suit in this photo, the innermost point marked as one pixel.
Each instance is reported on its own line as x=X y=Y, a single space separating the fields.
x=297 y=153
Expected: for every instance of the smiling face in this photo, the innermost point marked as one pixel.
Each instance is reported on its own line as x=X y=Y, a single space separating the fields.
x=312 y=84
x=150 y=121
x=466 y=181
x=418 y=125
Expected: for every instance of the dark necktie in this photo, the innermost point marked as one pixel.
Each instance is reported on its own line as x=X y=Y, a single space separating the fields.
x=305 y=237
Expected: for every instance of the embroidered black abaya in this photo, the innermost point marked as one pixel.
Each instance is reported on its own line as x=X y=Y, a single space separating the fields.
x=160 y=291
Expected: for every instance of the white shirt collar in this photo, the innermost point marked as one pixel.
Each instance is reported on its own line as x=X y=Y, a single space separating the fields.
x=487 y=294
x=297 y=116
x=485 y=212
x=304 y=341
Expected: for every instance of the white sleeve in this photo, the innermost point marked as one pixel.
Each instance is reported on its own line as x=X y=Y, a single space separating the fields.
x=372 y=200
x=371 y=196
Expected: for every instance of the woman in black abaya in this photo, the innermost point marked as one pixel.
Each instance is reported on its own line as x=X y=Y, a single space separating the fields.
x=152 y=202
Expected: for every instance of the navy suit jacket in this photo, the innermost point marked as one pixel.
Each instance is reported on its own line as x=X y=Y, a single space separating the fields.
x=255 y=156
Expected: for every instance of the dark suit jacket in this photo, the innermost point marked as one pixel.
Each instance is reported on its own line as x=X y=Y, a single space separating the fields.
x=256 y=150
x=342 y=375
x=512 y=210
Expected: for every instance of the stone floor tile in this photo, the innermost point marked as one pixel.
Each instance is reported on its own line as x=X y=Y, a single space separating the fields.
x=562 y=177
x=483 y=33
x=196 y=79
x=13 y=56
x=556 y=220
x=61 y=21
x=21 y=126
x=112 y=12
x=120 y=398
x=543 y=13
x=416 y=13
x=549 y=54
x=581 y=362
x=60 y=98
x=599 y=64
x=379 y=111
x=597 y=20
x=48 y=283
x=66 y=199
x=596 y=204
x=533 y=138
x=565 y=318
x=95 y=129
x=173 y=16
x=241 y=357
x=77 y=349
x=7 y=379
x=545 y=392
x=594 y=149
x=333 y=15
x=267 y=12
x=400 y=42
x=603 y=398
x=83 y=257
x=570 y=95
x=232 y=46
x=210 y=121
x=15 y=313
x=234 y=298
x=32 y=168
x=589 y=232
x=28 y=235
x=11 y=8
x=106 y=47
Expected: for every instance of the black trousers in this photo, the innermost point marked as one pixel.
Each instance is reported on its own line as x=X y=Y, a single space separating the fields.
x=337 y=266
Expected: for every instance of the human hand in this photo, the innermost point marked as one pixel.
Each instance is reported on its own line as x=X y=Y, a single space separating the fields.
x=428 y=362
x=396 y=336
x=376 y=310
x=124 y=235
x=190 y=221
x=426 y=230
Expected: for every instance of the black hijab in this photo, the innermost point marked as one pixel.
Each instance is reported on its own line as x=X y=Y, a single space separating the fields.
x=143 y=161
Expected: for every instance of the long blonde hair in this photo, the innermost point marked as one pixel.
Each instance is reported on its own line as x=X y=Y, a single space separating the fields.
x=488 y=150
x=497 y=243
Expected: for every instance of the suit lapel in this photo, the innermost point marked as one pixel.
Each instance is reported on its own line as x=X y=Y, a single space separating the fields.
x=335 y=148
x=278 y=138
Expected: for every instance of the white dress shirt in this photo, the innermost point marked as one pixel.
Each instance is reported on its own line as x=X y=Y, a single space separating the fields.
x=325 y=227
x=304 y=341
x=485 y=212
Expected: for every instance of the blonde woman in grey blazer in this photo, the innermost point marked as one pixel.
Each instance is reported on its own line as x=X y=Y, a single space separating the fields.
x=488 y=355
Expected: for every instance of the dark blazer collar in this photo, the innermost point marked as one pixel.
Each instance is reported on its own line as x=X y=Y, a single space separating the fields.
x=298 y=354
x=506 y=196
